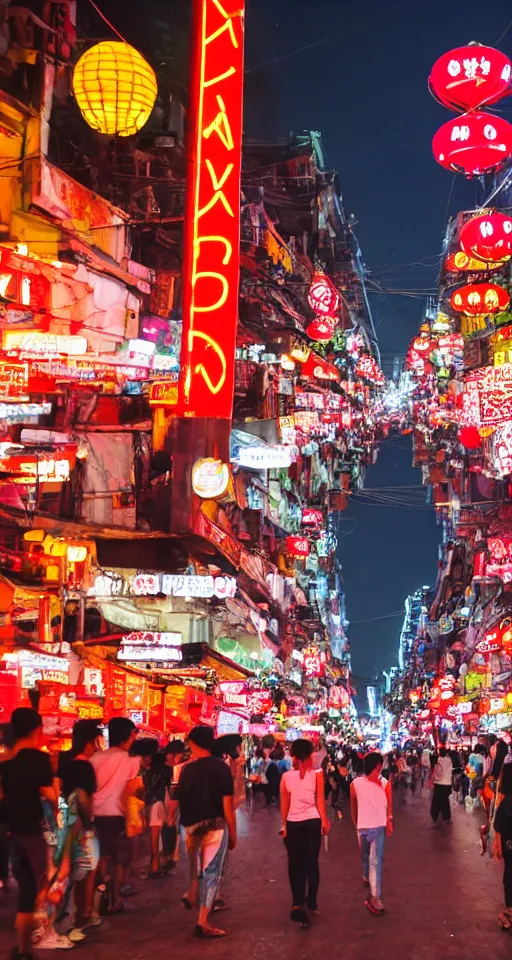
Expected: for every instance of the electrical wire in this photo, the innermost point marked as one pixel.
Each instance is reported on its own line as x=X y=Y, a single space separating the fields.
x=317 y=43
x=503 y=34
x=384 y=616
x=109 y=24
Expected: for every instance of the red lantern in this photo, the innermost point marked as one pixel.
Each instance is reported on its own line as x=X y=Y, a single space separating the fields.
x=479 y=298
x=298 y=547
x=470 y=438
x=473 y=144
x=320 y=329
x=488 y=237
x=323 y=297
x=312 y=517
x=469 y=77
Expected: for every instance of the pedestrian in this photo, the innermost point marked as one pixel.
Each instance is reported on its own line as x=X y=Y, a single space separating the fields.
x=304 y=817
x=204 y=794
x=25 y=778
x=503 y=839
x=81 y=846
x=442 y=787
x=171 y=838
x=372 y=814
x=157 y=782
x=117 y=780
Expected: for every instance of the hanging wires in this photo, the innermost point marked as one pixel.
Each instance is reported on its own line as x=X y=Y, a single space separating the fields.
x=109 y=24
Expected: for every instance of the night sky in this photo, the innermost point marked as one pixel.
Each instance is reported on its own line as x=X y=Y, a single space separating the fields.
x=366 y=90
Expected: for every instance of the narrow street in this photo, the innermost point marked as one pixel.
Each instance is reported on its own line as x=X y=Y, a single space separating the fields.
x=442 y=901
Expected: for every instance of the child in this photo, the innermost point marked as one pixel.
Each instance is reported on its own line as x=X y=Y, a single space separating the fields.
x=503 y=839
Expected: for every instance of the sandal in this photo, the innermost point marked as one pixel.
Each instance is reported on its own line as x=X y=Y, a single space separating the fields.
x=505 y=919
x=370 y=905
x=209 y=933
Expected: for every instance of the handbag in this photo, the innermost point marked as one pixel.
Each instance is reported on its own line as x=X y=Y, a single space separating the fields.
x=135 y=821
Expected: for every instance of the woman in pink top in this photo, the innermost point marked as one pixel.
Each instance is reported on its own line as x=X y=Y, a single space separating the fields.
x=304 y=816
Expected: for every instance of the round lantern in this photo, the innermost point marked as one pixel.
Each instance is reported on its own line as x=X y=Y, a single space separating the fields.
x=323 y=297
x=469 y=77
x=479 y=298
x=473 y=144
x=115 y=88
x=320 y=329
x=488 y=237
x=298 y=547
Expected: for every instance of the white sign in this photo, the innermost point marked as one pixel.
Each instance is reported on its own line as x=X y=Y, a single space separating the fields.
x=231 y=723
x=263 y=458
x=149 y=654
x=46 y=344
x=23 y=411
x=168 y=584
x=41 y=661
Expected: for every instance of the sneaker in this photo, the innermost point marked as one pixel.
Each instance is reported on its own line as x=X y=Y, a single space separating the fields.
x=76 y=935
x=55 y=941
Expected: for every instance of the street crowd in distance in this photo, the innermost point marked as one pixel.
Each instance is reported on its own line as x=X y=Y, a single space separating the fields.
x=75 y=825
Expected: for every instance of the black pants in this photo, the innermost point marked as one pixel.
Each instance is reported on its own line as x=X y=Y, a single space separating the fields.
x=4 y=853
x=303 y=840
x=507 y=874
x=440 y=802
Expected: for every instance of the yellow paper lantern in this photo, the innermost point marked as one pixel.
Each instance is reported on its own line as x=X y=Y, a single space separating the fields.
x=115 y=88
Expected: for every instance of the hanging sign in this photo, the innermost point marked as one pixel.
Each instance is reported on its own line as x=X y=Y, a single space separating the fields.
x=312 y=517
x=110 y=584
x=314 y=662
x=212 y=215
x=298 y=546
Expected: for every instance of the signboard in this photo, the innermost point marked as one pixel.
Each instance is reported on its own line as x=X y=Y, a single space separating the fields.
x=149 y=653
x=21 y=412
x=44 y=344
x=235 y=694
x=13 y=379
x=212 y=215
x=164 y=393
x=21 y=281
x=145 y=638
x=228 y=722
x=169 y=584
x=263 y=458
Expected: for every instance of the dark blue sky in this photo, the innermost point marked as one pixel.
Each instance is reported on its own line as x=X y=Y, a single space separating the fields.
x=366 y=90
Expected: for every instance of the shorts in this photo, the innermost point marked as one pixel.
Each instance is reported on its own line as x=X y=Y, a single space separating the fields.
x=157 y=814
x=113 y=841
x=29 y=858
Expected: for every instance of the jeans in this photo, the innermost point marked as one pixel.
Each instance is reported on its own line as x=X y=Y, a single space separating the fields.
x=303 y=839
x=207 y=853
x=441 y=802
x=371 y=842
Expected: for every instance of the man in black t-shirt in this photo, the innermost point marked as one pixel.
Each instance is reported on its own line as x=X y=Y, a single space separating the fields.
x=204 y=794
x=24 y=779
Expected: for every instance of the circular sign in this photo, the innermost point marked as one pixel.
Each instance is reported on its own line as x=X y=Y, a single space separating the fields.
x=210 y=478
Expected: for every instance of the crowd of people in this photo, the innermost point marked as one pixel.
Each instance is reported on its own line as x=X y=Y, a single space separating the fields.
x=74 y=825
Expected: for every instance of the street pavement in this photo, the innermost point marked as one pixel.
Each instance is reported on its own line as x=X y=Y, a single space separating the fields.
x=442 y=901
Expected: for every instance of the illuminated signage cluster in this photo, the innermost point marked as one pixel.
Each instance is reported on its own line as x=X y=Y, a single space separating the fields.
x=151 y=647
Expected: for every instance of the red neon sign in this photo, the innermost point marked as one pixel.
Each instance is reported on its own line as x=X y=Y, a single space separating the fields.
x=212 y=219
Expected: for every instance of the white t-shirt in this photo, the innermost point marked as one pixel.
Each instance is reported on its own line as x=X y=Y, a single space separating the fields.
x=113 y=769
x=372 y=803
x=302 y=795
x=443 y=772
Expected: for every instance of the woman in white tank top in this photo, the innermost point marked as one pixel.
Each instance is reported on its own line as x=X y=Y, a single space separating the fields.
x=304 y=816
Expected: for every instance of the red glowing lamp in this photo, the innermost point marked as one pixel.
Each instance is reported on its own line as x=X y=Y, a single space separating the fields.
x=473 y=144
x=320 y=329
x=323 y=297
x=469 y=77
x=460 y=261
x=298 y=547
x=488 y=237
x=479 y=298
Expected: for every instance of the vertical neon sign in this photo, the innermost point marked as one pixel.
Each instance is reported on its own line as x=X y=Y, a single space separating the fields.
x=212 y=217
